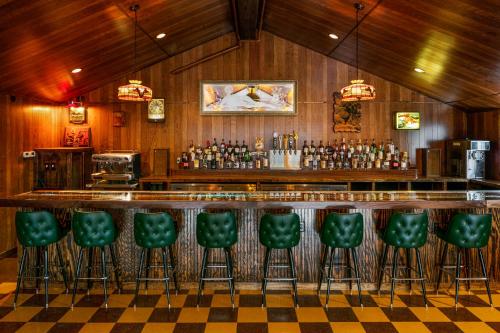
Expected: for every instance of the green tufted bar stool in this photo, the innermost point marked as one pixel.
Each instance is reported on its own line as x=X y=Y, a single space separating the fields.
x=465 y=232
x=404 y=231
x=39 y=230
x=341 y=231
x=93 y=231
x=155 y=231
x=276 y=232
x=216 y=231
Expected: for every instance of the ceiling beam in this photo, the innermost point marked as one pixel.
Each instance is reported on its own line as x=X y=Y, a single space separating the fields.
x=249 y=15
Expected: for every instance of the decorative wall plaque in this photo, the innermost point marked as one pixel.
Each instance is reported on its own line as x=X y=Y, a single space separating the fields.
x=118 y=118
x=156 y=110
x=77 y=113
x=76 y=137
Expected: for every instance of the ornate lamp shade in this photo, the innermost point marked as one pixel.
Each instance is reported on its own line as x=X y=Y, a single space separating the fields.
x=134 y=91
x=358 y=91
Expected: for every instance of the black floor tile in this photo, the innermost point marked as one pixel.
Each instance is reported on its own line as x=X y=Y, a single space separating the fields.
x=309 y=301
x=414 y=300
x=145 y=301
x=38 y=300
x=226 y=315
x=164 y=315
x=51 y=314
x=205 y=301
x=459 y=314
x=10 y=327
x=281 y=315
x=93 y=301
x=341 y=315
x=189 y=328
x=399 y=314
x=315 y=328
x=379 y=328
x=127 y=328
x=66 y=328
x=447 y=327
x=110 y=315
x=250 y=301
x=367 y=300
x=250 y=328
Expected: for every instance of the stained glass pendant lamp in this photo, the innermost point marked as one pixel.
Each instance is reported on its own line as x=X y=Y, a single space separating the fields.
x=357 y=90
x=135 y=91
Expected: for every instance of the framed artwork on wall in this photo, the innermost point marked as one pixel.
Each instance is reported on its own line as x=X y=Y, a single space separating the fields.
x=118 y=118
x=77 y=113
x=407 y=120
x=156 y=110
x=76 y=137
x=259 y=98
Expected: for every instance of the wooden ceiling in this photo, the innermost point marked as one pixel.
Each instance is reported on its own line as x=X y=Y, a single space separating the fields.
x=455 y=41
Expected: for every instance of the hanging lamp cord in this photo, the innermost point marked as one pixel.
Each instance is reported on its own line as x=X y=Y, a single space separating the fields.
x=357 y=43
x=135 y=41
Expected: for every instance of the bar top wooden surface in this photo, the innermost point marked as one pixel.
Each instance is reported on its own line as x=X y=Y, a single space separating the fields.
x=256 y=199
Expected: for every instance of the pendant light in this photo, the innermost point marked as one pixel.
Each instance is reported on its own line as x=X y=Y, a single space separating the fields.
x=357 y=90
x=134 y=91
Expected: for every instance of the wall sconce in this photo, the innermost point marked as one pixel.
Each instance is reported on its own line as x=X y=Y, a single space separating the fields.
x=77 y=111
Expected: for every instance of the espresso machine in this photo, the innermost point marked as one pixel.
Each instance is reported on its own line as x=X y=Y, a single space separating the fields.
x=466 y=158
x=116 y=170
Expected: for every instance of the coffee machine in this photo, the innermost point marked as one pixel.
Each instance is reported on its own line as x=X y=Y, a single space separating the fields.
x=116 y=170
x=466 y=158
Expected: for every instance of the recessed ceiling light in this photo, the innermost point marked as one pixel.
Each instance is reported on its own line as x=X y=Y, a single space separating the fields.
x=419 y=70
x=161 y=35
x=333 y=36
x=76 y=70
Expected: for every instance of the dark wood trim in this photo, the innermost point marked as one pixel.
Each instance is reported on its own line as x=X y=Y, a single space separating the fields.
x=8 y=253
x=181 y=69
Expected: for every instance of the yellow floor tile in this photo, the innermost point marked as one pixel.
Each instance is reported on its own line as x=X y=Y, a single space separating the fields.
x=8 y=301
x=474 y=327
x=487 y=314
x=158 y=327
x=21 y=314
x=224 y=300
x=495 y=298
x=176 y=301
x=347 y=327
x=78 y=315
x=193 y=315
x=335 y=301
x=97 y=328
x=282 y=328
x=279 y=301
x=35 y=328
x=138 y=315
x=119 y=300
x=442 y=300
x=429 y=314
x=370 y=314
x=220 y=327
x=385 y=301
x=410 y=327
x=316 y=315
x=64 y=300
x=252 y=315
x=7 y=287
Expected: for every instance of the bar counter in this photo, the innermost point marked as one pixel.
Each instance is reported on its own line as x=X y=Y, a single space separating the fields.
x=376 y=207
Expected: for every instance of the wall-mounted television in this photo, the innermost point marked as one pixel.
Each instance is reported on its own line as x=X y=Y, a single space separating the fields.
x=407 y=120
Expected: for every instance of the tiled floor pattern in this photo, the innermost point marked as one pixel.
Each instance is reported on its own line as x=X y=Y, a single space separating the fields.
x=215 y=315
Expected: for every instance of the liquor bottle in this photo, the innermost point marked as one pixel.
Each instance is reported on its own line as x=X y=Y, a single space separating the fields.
x=229 y=163
x=395 y=164
x=222 y=146
x=312 y=148
x=237 y=149
x=258 y=162
x=373 y=147
x=275 y=140
x=196 y=162
x=387 y=162
x=404 y=161
x=306 y=161
x=366 y=147
x=191 y=147
x=322 y=162
x=305 y=149
x=321 y=148
x=244 y=147
x=328 y=148
x=359 y=147
x=265 y=161
x=213 y=165
x=314 y=162
x=215 y=147
x=229 y=148
x=331 y=162
x=236 y=164
x=381 y=154
x=391 y=146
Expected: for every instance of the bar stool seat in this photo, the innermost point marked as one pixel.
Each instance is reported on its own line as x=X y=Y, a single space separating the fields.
x=465 y=232
x=39 y=230
x=341 y=231
x=216 y=231
x=153 y=231
x=92 y=231
x=404 y=231
x=279 y=232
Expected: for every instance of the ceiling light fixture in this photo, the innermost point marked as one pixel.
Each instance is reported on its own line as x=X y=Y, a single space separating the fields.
x=161 y=35
x=134 y=91
x=357 y=90
x=419 y=70
x=333 y=36
x=76 y=70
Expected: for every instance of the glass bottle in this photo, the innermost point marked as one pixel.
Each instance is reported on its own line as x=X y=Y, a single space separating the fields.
x=237 y=149
x=305 y=148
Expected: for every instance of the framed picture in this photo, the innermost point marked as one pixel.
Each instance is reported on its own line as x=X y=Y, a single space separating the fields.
x=118 y=118
x=260 y=98
x=76 y=137
x=156 y=110
x=77 y=113
x=407 y=120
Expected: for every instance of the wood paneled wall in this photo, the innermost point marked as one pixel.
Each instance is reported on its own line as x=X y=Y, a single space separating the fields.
x=24 y=125
x=486 y=126
x=270 y=58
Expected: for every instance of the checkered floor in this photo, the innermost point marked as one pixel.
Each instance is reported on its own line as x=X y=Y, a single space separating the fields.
x=216 y=314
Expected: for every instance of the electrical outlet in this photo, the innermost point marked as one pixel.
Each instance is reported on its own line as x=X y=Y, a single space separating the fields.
x=28 y=154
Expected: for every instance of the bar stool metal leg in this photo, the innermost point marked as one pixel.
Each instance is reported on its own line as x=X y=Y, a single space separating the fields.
x=90 y=259
x=266 y=273
x=174 y=269
x=139 y=275
x=322 y=267
x=46 y=274
x=165 y=274
x=232 y=268
x=294 y=277
x=356 y=273
x=421 y=275
x=38 y=251
x=329 y=276
x=116 y=268
x=408 y=267
x=349 y=266
x=77 y=275
x=394 y=272
x=148 y=267
x=104 y=276
x=20 y=274
x=202 y=275
x=486 y=281
x=229 y=274
x=467 y=267
x=383 y=262
x=441 y=266
x=62 y=266
x=457 y=275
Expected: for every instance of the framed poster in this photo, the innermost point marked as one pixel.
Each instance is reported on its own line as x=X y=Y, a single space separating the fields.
x=407 y=120
x=76 y=137
x=260 y=98
x=156 y=110
x=118 y=118
x=77 y=113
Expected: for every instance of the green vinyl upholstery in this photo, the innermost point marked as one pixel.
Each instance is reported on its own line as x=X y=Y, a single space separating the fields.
x=93 y=229
x=342 y=230
x=406 y=230
x=279 y=231
x=216 y=230
x=37 y=229
x=154 y=230
x=467 y=230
